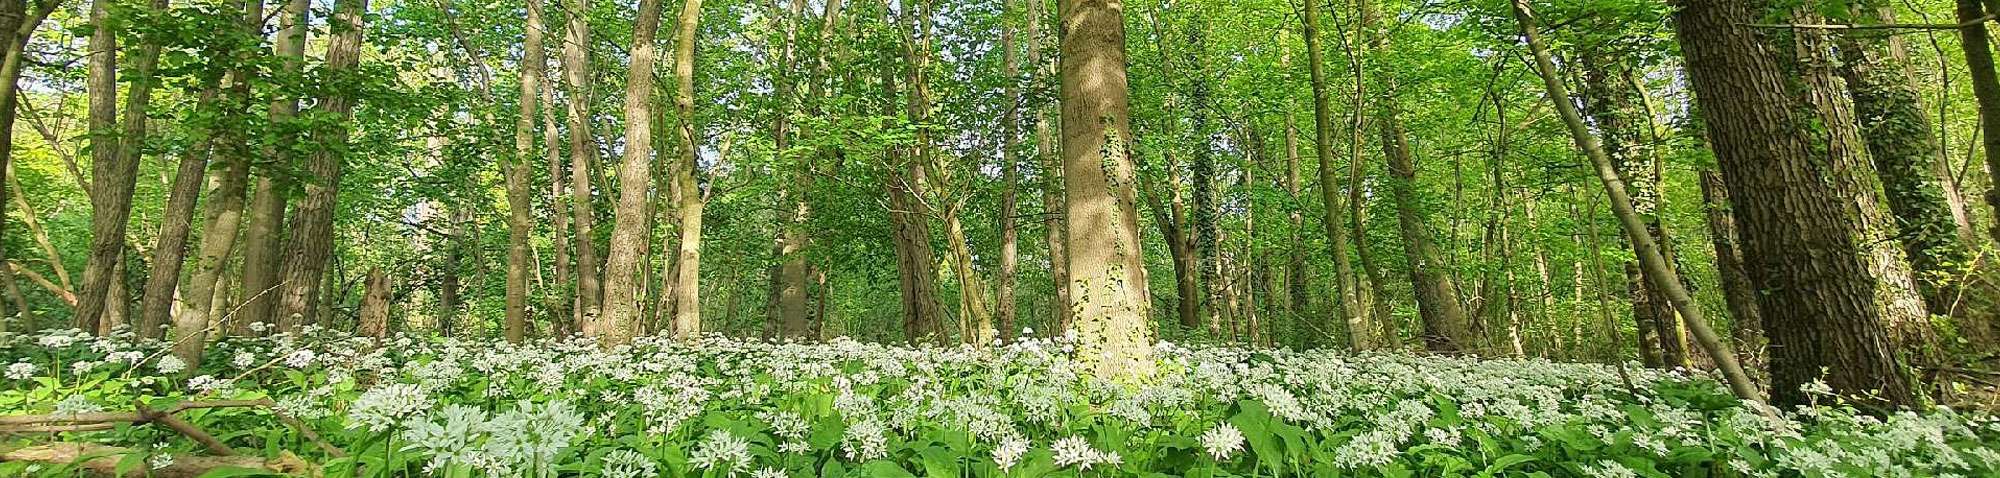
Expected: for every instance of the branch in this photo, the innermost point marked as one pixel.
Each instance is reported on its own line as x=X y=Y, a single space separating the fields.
x=1878 y=26
x=104 y=460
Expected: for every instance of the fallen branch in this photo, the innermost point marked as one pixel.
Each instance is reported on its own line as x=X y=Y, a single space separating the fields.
x=100 y=421
x=103 y=460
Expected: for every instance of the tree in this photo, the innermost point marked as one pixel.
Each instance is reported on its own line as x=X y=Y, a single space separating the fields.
x=623 y=290
x=311 y=241
x=112 y=170
x=1359 y=330
x=1107 y=274
x=264 y=240
x=224 y=215
x=1802 y=248
x=519 y=174
x=693 y=197
x=582 y=149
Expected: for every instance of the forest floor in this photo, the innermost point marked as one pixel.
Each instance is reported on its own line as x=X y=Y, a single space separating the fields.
x=339 y=405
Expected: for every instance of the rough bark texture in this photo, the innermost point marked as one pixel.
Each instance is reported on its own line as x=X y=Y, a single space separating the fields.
x=582 y=148
x=624 y=294
x=1360 y=332
x=1905 y=154
x=1976 y=43
x=1108 y=276
x=1446 y=328
x=562 y=299
x=519 y=174
x=1838 y=138
x=111 y=169
x=1010 y=235
x=694 y=198
x=374 y=316
x=311 y=242
x=16 y=25
x=909 y=215
x=264 y=234
x=156 y=302
x=1799 y=239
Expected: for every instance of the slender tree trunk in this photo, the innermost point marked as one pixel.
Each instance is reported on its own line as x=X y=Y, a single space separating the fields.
x=223 y=218
x=374 y=315
x=694 y=198
x=1114 y=337
x=562 y=300
x=1054 y=224
x=113 y=171
x=1010 y=235
x=17 y=24
x=1446 y=327
x=1297 y=278
x=264 y=237
x=1738 y=292
x=1617 y=111
x=519 y=174
x=156 y=302
x=1360 y=332
x=311 y=241
x=1803 y=249
x=1658 y=273
x=1978 y=47
x=624 y=294
x=582 y=149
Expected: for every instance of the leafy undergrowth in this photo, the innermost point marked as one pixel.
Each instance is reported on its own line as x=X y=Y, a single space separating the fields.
x=726 y=407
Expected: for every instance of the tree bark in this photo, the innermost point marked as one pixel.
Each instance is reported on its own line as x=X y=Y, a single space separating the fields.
x=1802 y=246
x=1738 y=293
x=311 y=242
x=1010 y=235
x=156 y=302
x=1906 y=156
x=224 y=215
x=582 y=148
x=694 y=198
x=113 y=167
x=1108 y=274
x=1977 y=45
x=624 y=297
x=262 y=251
x=1446 y=328
x=17 y=24
x=561 y=300
x=1360 y=332
x=1617 y=111
x=519 y=174
x=374 y=316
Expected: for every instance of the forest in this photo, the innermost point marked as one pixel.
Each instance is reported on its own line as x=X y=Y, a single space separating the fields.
x=1000 y=238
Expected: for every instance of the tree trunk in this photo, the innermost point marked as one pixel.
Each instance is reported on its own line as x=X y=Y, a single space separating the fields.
x=113 y=167
x=582 y=148
x=374 y=316
x=1978 y=47
x=223 y=218
x=624 y=297
x=17 y=24
x=1654 y=263
x=519 y=174
x=311 y=241
x=1054 y=225
x=262 y=252
x=1803 y=249
x=561 y=300
x=1617 y=111
x=694 y=198
x=1905 y=155
x=1738 y=292
x=156 y=303
x=1360 y=332
x=1010 y=235
x=1297 y=277
x=1108 y=274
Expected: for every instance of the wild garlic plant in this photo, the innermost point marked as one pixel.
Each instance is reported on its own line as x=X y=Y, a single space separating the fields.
x=730 y=407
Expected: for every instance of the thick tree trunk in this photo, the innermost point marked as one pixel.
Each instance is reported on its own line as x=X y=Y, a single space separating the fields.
x=624 y=294
x=693 y=198
x=1906 y=157
x=1802 y=246
x=519 y=174
x=112 y=170
x=1360 y=330
x=1108 y=274
x=1896 y=293
x=1654 y=262
x=311 y=241
x=582 y=149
